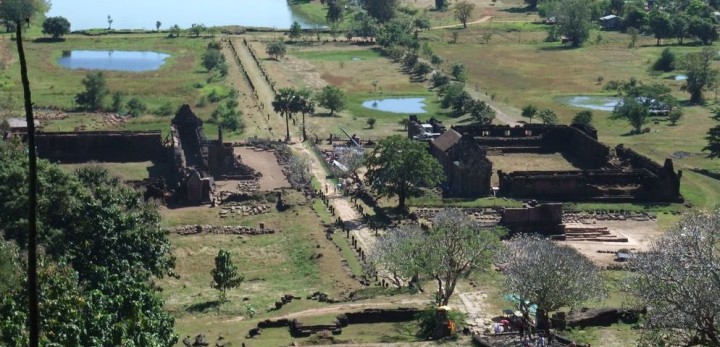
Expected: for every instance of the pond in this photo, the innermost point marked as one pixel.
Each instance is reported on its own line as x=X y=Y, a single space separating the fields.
x=143 y=14
x=592 y=102
x=134 y=61
x=680 y=77
x=397 y=105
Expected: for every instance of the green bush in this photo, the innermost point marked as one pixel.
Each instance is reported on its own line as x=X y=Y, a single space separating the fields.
x=166 y=109
x=666 y=61
x=136 y=107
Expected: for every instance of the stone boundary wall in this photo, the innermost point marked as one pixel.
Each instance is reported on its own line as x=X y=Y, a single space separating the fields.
x=100 y=146
x=221 y=230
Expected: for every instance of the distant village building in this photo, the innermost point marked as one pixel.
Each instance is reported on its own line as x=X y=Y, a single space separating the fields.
x=12 y=127
x=610 y=22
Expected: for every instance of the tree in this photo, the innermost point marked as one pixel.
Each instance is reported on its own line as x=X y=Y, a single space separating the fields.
x=439 y=79
x=364 y=25
x=158 y=25
x=529 y=111
x=440 y=4
x=677 y=279
x=110 y=21
x=463 y=12
x=136 y=107
x=304 y=104
x=573 y=20
x=56 y=27
x=175 y=31
x=481 y=112
x=548 y=116
x=96 y=90
x=583 y=117
x=704 y=28
x=635 y=17
x=459 y=72
x=371 y=122
x=532 y=4
x=666 y=61
x=196 y=29
x=633 y=32
x=118 y=101
x=660 y=25
x=284 y=104
x=295 y=31
x=334 y=11
x=634 y=111
x=700 y=74
x=675 y=115
x=225 y=274
x=382 y=10
x=332 y=98
x=110 y=237
x=421 y=69
x=212 y=58
x=713 y=137
x=548 y=275
x=681 y=27
x=455 y=247
x=276 y=49
x=17 y=11
x=298 y=171
x=452 y=92
x=400 y=166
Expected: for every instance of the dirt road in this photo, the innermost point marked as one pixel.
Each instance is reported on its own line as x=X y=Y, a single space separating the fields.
x=265 y=95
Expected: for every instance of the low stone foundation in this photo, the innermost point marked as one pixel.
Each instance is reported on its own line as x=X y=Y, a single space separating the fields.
x=226 y=230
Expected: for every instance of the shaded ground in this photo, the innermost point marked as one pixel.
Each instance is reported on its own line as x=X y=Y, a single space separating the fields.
x=266 y=163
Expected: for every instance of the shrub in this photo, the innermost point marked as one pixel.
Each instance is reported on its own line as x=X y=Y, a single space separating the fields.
x=666 y=61
x=202 y=101
x=136 y=107
x=583 y=117
x=214 y=96
x=166 y=109
x=371 y=122
x=439 y=79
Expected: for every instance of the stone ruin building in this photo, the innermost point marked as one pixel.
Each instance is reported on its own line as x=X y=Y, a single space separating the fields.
x=185 y=162
x=608 y=174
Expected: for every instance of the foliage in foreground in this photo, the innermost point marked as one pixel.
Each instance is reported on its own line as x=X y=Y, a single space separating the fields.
x=102 y=245
x=678 y=280
x=548 y=275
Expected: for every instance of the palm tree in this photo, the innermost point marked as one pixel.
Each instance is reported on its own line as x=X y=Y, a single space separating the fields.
x=284 y=104
x=303 y=103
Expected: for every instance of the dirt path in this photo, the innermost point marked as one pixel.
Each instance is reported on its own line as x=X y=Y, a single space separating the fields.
x=481 y=20
x=265 y=94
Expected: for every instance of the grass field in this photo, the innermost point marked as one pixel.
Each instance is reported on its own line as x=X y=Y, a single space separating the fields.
x=518 y=68
x=180 y=80
x=125 y=171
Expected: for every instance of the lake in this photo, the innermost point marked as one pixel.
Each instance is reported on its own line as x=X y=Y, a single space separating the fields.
x=135 y=61
x=142 y=14
x=592 y=102
x=397 y=105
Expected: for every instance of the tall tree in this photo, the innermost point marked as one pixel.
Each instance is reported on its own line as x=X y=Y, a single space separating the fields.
x=463 y=12
x=440 y=4
x=573 y=20
x=700 y=74
x=334 y=11
x=661 y=25
x=634 y=111
x=400 y=166
x=583 y=117
x=453 y=248
x=382 y=10
x=276 y=49
x=532 y=4
x=295 y=31
x=332 y=98
x=678 y=279
x=56 y=26
x=548 y=275
x=548 y=116
x=158 y=24
x=529 y=111
x=713 y=137
x=303 y=104
x=15 y=12
x=93 y=98
x=481 y=112
x=284 y=105
x=225 y=275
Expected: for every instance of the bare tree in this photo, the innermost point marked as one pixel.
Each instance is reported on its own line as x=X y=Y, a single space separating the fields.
x=352 y=159
x=297 y=171
x=454 y=247
x=393 y=257
x=678 y=281
x=548 y=275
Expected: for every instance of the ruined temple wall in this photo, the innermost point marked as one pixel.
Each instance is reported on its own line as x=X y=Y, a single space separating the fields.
x=638 y=160
x=579 y=144
x=81 y=147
